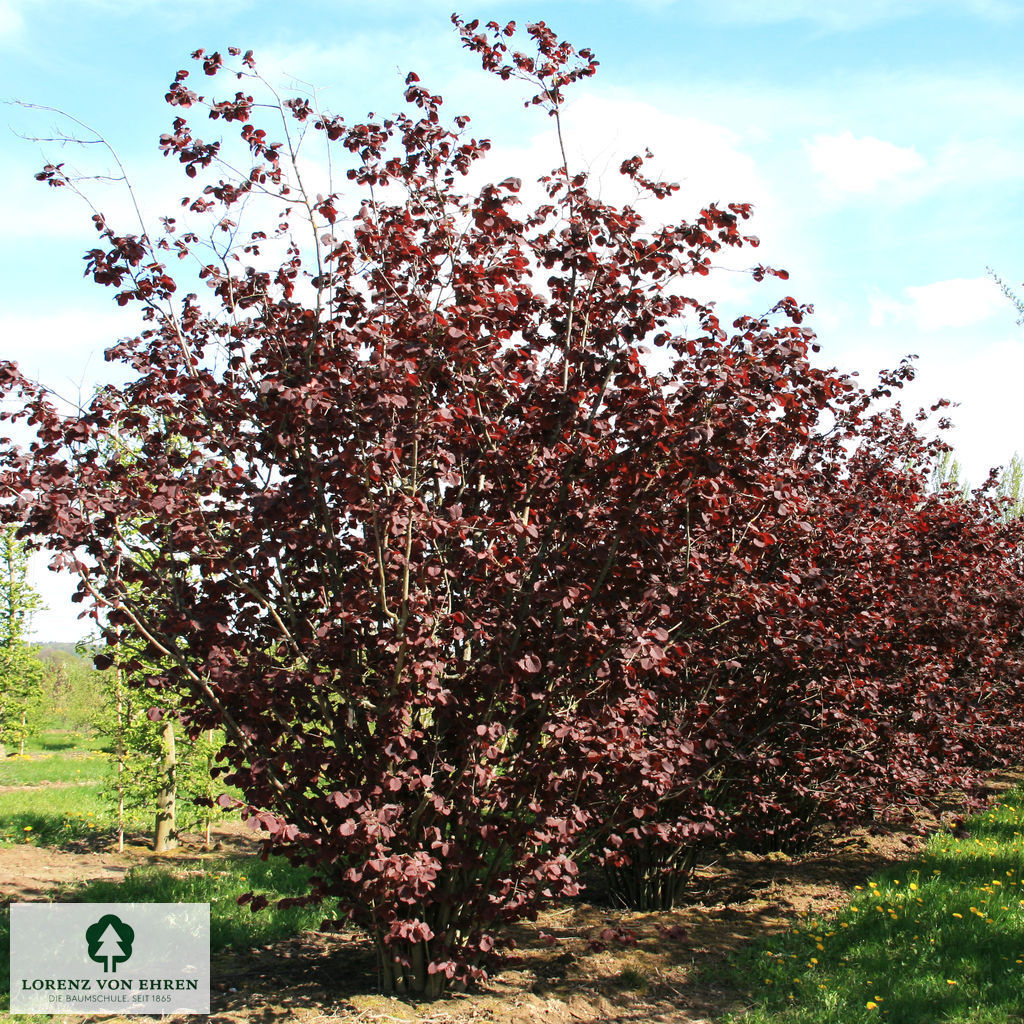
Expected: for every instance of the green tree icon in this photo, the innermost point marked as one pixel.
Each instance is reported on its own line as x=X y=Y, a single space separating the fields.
x=110 y=942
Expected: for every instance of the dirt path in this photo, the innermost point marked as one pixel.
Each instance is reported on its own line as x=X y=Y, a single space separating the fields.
x=29 y=872
x=28 y=786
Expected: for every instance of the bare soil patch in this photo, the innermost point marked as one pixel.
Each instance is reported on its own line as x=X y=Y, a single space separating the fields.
x=29 y=872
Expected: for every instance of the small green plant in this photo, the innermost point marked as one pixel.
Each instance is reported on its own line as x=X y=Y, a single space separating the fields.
x=220 y=883
x=630 y=978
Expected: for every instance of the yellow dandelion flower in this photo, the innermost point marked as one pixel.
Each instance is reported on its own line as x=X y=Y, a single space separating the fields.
x=949 y=981
x=913 y=885
x=871 y=1004
x=957 y=915
x=27 y=828
x=814 y=959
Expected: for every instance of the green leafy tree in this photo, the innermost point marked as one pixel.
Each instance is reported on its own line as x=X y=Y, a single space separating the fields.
x=948 y=473
x=160 y=776
x=1011 y=487
x=947 y=470
x=20 y=670
x=73 y=691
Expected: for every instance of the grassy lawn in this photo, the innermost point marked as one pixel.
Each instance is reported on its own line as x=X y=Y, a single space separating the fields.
x=63 y=766
x=67 y=770
x=219 y=883
x=938 y=939
x=55 y=739
x=53 y=816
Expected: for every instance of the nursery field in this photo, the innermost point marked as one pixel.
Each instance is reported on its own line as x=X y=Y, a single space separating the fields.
x=508 y=585
x=860 y=928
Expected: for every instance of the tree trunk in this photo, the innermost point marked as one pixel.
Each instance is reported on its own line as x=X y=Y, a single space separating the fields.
x=24 y=730
x=414 y=981
x=166 y=835
x=120 y=759
x=209 y=787
x=656 y=876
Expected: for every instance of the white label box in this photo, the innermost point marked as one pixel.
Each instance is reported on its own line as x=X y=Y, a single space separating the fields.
x=110 y=958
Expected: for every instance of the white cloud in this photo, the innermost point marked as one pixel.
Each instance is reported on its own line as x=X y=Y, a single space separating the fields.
x=57 y=621
x=707 y=160
x=64 y=350
x=984 y=381
x=959 y=302
x=131 y=7
x=842 y=15
x=11 y=21
x=980 y=375
x=956 y=303
x=850 y=164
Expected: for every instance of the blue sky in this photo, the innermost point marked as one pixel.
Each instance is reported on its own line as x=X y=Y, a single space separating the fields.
x=882 y=143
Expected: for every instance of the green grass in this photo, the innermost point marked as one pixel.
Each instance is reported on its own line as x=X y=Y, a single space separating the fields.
x=219 y=883
x=938 y=939
x=64 y=766
x=52 y=816
x=56 y=739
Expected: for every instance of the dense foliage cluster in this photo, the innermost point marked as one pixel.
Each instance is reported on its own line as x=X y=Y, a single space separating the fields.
x=471 y=589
